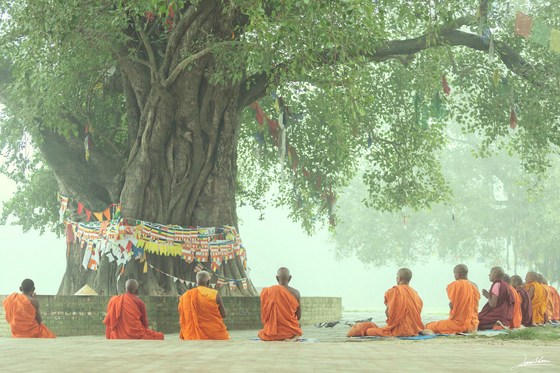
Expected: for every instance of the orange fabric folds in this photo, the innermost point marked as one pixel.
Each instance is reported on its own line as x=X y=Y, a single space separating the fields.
x=463 y=317
x=20 y=314
x=404 y=308
x=539 y=302
x=124 y=319
x=556 y=298
x=199 y=315
x=517 y=314
x=278 y=314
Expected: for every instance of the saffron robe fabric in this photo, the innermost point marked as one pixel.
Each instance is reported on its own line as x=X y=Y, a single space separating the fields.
x=463 y=317
x=127 y=319
x=278 y=314
x=517 y=315
x=556 y=298
x=549 y=303
x=21 y=315
x=404 y=307
x=199 y=315
x=503 y=311
x=526 y=307
x=539 y=302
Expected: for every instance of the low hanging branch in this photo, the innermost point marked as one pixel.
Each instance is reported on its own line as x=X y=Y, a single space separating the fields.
x=395 y=49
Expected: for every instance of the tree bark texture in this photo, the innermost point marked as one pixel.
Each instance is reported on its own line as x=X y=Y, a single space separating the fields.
x=181 y=166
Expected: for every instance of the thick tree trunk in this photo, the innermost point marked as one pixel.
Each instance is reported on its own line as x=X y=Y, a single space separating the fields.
x=182 y=164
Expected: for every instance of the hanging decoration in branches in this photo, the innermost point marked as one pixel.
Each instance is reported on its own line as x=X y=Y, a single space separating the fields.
x=88 y=144
x=537 y=32
x=280 y=141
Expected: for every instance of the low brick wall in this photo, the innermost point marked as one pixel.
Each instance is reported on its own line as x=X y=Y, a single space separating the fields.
x=83 y=315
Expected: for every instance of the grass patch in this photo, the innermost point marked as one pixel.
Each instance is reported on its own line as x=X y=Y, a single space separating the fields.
x=544 y=333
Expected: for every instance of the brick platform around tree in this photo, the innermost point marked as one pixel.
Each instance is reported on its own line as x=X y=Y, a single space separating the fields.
x=83 y=315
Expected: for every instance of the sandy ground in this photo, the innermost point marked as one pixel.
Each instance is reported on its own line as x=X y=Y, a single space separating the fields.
x=333 y=352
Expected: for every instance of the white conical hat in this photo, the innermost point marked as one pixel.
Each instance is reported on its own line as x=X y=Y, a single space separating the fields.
x=86 y=290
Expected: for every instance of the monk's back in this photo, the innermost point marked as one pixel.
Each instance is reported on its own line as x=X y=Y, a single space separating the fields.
x=21 y=315
x=199 y=315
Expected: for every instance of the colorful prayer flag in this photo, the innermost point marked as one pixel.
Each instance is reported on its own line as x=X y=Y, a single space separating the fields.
x=107 y=213
x=523 y=25
x=98 y=215
x=555 y=40
x=540 y=33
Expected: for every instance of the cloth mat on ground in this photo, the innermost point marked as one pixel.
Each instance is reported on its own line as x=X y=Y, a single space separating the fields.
x=415 y=338
x=485 y=333
x=304 y=340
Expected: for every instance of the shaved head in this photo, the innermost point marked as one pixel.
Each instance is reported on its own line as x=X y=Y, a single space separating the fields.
x=27 y=286
x=498 y=272
x=203 y=278
x=460 y=271
x=131 y=286
x=531 y=276
x=404 y=275
x=516 y=281
x=283 y=276
x=506 y=278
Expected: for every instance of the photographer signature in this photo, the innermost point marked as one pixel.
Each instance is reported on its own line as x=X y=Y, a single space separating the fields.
x=530 y=363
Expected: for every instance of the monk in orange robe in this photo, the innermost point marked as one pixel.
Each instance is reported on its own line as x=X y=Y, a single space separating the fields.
x=463 y=301
x=517 y=315
x=556 y=299
x=538 y=297
x=22 y=313
x=403 y=312
x=201 y=312
x=280 y=310
x=127 y=317
x=550 y=299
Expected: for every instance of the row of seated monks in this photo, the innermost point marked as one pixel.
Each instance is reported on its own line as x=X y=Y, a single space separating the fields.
x=511 y=304
x=201 y=313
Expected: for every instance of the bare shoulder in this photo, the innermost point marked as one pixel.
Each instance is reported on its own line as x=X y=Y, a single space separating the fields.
x=294 y=292
x=34 y=302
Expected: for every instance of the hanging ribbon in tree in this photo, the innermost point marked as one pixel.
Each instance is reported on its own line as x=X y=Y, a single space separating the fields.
x=537 y=32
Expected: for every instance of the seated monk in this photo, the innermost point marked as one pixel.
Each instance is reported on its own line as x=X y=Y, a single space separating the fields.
x=526 y=308
x=201 y=312
x=127 y=317
x=538 y=297
x=403 y=312
x=280 y=310
x=497 y=312
x=556 y=299
x=22 y=313
x=463 y=302
x=516 y=315
x=550 y=299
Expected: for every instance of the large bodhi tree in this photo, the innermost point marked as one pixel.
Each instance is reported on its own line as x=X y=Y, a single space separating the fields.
x=162 y=89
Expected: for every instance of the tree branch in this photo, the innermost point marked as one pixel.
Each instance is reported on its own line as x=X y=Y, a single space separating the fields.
x=395 y=49
x=184 y=63
x=152 y=58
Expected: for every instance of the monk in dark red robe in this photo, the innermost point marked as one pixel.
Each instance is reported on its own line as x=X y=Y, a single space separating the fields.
x=127 y=317
x=526 y=307
x=280 y=310
x=404 y=307
x=22 y=313
x=498 y=311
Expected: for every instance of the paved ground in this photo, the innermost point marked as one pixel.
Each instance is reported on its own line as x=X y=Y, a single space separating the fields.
x=332 y=353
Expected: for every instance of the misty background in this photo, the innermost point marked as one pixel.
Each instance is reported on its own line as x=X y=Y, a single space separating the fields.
x=273 y=242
